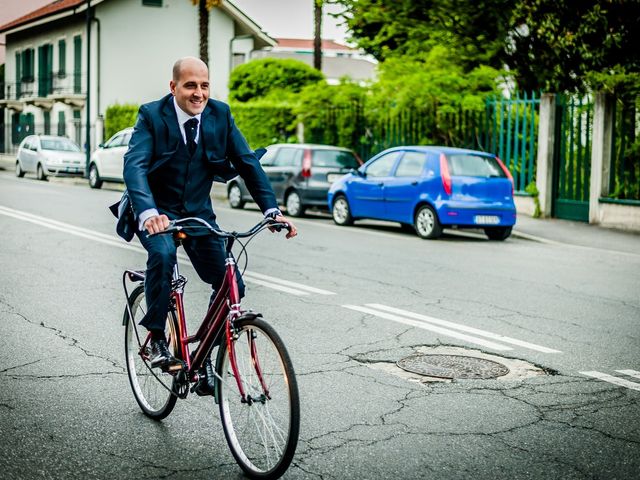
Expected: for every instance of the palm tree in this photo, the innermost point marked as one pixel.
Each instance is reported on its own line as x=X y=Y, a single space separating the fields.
x=204 y=6
x=317 y=34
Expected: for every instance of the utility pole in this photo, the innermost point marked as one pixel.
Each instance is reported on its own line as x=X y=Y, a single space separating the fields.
x=317 y=35
x=87 y=139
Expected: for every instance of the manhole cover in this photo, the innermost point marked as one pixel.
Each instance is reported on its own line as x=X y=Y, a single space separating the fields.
x=452 y=366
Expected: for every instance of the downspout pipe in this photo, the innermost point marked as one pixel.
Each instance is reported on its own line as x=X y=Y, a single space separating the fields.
x=87 y=140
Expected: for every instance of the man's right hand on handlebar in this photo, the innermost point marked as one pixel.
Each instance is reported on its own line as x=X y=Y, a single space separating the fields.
x=156 y=224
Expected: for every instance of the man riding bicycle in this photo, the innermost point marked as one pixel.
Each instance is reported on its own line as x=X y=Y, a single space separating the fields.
x=180 y=145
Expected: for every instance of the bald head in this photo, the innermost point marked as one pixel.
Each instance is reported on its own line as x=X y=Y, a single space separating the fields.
x=187 y=63
x=190 y=85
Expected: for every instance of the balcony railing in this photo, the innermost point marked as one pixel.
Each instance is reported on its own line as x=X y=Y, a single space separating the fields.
x=55 y=85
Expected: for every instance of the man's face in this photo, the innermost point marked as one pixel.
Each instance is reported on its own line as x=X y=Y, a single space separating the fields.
x=192 y=87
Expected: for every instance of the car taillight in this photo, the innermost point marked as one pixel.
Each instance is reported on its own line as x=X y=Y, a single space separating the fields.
x=306 y=164
x=444 y=173
x=506 y=171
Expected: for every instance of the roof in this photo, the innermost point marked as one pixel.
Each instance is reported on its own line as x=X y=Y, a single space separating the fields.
x=52 y=8
x=307 y=44
x=440 y=149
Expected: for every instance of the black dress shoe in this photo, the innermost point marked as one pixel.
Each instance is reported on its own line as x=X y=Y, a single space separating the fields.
x=206 y=380
x=162 y=357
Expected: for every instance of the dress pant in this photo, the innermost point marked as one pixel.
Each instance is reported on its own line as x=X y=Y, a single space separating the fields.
x=207 y=255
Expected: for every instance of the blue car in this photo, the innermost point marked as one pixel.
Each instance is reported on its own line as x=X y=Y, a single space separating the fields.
x=429 y=188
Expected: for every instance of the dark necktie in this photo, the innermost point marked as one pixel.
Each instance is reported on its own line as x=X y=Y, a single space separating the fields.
x=190 y=130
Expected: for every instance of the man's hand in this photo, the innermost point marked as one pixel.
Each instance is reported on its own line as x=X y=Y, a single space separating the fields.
x=293 y=231
x=156 y=224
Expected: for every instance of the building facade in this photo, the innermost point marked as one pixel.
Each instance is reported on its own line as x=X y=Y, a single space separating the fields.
x=68 y=61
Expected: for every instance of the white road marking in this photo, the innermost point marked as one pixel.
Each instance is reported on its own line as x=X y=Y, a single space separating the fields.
x=463 y=328
x=614 y=380
x=631 y=373
x=263 y=280
x=299 y=286
x=430 y=327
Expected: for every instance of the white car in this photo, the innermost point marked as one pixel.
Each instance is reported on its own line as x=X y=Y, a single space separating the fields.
x=107 y=161
x=47 y=155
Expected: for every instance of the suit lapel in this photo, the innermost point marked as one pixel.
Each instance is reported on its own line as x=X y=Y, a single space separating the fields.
x=171 y=123
x=208 y=124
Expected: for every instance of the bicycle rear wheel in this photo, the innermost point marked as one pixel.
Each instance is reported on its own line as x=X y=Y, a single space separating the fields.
x=262 y=432
x=152 y=388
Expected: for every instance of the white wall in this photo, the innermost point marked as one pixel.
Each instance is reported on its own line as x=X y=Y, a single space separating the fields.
x=139 y=45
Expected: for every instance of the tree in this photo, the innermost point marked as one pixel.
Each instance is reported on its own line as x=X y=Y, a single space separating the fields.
x=268 y=76
x=474 y=29
x=574 y=45
x=317 y=35
x=204 y=6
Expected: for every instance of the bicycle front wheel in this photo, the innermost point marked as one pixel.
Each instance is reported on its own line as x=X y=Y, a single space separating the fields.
x=152 y=388
x=261 y=429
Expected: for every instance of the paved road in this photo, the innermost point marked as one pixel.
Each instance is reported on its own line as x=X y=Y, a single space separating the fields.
x=350 y=303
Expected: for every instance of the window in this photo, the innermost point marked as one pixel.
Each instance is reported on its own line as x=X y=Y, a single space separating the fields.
x=77 y=64
x=267 y=159
x=62 y=58
x=115 y=142
x=47 y=122
x=383 y=165
x=411 y=165
x=288 y=157
x=334 y=158
x=28 y=65
x=59 y=144
x=62 y=127
x=152 y=3
x=474 y=166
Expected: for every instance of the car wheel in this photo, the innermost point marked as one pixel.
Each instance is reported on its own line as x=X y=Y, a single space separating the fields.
x=497 y=233
x=94 y=177
x=294 y=204
x=40 y=175
x=341 y=212
x=426 y=223
x=19 y=171
x=235 y=196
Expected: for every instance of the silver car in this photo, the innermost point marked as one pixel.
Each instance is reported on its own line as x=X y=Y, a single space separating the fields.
x=107 y=162
x=47 y=155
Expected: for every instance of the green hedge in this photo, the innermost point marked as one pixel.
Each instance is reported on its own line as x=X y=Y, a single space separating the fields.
x=118 y=117
x=264 y=123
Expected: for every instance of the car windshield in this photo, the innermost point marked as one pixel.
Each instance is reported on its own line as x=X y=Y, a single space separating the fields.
x=59 y=144
x=334 y=158
x=474 y=166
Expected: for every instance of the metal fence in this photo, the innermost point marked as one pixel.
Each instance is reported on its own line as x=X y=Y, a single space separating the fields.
x=624 y=179
x=506 y=126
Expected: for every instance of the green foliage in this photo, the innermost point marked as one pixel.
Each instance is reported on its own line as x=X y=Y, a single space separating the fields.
x=475 y=29
x=532 y=189
x=118 y=117
x=261 y=77
x=265 y=122
x=558 y=45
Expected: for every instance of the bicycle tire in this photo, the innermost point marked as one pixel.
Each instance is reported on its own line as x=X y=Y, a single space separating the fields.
x=262 y=435
x=152 y=388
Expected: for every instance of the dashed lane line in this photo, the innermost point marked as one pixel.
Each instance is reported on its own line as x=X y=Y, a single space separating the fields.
x=621 y=382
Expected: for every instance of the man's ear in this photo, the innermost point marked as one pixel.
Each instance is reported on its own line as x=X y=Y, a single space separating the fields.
x=172 y=87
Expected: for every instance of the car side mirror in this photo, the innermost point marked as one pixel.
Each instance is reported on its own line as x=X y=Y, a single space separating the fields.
x=101 y=145
x=358 y=172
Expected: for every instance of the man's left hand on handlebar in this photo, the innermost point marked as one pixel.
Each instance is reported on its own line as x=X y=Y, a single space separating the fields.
x=293 y=231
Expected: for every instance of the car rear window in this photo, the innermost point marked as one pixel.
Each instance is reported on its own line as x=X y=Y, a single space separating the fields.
x=474 y=166
x=59 y=144
x=334 y=158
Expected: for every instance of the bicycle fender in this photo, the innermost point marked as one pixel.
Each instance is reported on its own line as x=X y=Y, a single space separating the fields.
x=248 y=316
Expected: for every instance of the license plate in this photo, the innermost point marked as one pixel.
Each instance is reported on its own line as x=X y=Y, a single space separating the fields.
x=332 y=177
x=486 y=219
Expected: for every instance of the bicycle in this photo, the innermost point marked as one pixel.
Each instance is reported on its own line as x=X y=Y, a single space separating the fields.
x=255 y=384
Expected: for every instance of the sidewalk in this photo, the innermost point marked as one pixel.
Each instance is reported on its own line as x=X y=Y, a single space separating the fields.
x=553 y=230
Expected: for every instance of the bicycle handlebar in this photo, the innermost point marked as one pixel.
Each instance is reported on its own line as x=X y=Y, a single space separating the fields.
x=177 y=226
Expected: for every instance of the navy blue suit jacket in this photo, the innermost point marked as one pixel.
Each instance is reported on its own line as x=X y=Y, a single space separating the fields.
x=155 y=142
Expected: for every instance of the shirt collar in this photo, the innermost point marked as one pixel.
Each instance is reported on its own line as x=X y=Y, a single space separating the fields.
x=182 y=115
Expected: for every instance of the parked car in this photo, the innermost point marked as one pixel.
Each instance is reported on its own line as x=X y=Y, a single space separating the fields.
x=429 y=188
x=107 y=161
x=47 y=155
x=300 y=175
